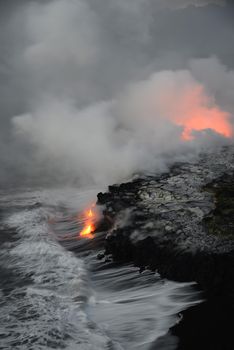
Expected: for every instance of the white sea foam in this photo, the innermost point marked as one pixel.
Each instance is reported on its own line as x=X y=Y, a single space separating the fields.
x=59 y=300
x=136 y=309
x=49 y=310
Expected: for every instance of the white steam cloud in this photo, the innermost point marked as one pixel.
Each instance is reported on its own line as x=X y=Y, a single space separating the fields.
x=61 y=32
x=142 y=130
x=106 y=89
x=184 y=3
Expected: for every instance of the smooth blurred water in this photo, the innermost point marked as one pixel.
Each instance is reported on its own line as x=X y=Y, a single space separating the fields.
x=55 y=294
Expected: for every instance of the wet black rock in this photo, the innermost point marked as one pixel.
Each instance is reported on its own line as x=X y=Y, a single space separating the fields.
x=100 y=256
x=161 y=222
x=221 y=219
x=208 y=325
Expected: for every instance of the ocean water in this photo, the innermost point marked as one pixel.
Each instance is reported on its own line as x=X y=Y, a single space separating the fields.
x=55 y=294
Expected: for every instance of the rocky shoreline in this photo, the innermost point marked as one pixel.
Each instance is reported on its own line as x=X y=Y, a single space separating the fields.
x=181 y=224
x=163 y=223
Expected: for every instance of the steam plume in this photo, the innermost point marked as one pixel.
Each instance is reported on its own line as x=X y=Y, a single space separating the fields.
x=97 y=91
x=109 y=141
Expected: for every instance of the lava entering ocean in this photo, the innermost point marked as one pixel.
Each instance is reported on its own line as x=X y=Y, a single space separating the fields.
x=89 y=218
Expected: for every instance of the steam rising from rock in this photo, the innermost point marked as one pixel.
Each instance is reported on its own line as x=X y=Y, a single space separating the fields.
x=140 y=130
x=101 y=95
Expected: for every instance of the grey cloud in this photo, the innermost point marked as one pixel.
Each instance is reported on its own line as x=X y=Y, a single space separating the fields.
x=77 y=54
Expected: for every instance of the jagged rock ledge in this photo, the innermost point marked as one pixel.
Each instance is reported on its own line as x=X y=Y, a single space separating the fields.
x=173 y=223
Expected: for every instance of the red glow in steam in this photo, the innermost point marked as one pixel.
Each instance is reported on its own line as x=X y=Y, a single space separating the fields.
x=197 y=112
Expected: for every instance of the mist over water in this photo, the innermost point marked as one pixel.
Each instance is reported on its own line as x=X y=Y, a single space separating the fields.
x=94 y=92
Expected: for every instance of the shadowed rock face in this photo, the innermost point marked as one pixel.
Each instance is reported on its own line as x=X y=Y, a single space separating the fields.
x=221 y=219
x=165 y=222
x=208 y=325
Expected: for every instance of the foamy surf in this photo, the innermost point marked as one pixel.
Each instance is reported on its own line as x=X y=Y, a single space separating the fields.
x=49 y=311
x=64 y=300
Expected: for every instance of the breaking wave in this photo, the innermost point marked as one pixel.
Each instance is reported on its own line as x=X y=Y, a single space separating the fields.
x=53 y=298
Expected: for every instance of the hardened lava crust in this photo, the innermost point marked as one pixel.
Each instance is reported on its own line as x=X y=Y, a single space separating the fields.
x=179 y=223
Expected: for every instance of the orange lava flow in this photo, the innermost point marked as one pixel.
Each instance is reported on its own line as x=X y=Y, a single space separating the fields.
x=89 y=228
x=90 y=213
x=87 y=231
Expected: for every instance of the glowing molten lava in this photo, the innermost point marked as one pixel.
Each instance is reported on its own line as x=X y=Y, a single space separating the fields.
x=89 y=228
x=90 y=213
x=86 y=232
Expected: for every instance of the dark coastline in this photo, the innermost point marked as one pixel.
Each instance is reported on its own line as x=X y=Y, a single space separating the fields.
x=207 y=326
x=207 y=258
